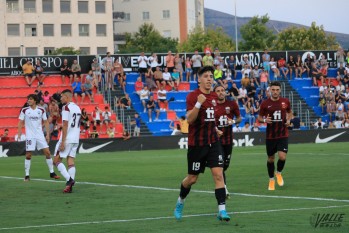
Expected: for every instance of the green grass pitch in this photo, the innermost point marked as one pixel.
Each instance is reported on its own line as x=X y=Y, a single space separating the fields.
x=136 y=192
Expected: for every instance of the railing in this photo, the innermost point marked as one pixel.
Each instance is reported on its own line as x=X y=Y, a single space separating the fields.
x=115 y=107
x=290 y=97
x=307 y=119
x=283 y=89
x=129 y=124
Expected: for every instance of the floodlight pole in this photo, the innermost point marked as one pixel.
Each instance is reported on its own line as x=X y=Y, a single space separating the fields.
x=236 y=32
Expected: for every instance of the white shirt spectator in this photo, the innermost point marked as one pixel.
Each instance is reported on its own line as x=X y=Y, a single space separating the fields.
x=318 y=124
x=164 y=92
x=242 y=92
x=166 y=76
x=196 y=59
x=144 y=94
x=338 y=124
x=322 y=89
x=236 y=129
x=153 y=61
x=106 y=115
x=142 y=61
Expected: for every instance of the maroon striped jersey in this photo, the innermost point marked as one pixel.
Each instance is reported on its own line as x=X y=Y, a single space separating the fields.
x=202 y=131
x=277 y=110
x=228 y=109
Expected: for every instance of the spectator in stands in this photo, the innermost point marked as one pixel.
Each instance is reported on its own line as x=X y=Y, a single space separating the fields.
x=231 y=65
x=111 y=132
x=330 y=104
x=256 y=108
x=149 y=79
x=84 y=120
x=341 y=72
x=53 y=109
x=39 y=72
x=345 y=123
x=158 y=77
x=282 y=67
x=322 y=102
x=94 y=133
x=38 y=92
x=218 y=59
x=249 y=114
x=207 y=49
x=92 y=80
x=151 y=106
x=340 y=56
x=338 y=123
x=122 y=81
x=323 y=61
x=87 y=88
x=246 y=128
x=255 y=127
x=207 y=60
x=243 y=94
x=126 y=135
x=43 y=105
x=245 y=62
x=197 y=63
x=66 y=71
x=300 y=69
x=176 y=130
x=266 y=60
x=21 y=138
x=77 y=90
x=245 y=81
x=162 y=99
x=184 y=125
x=218 y=75
x=273 y=67
x=118 y=69
x=167 y=79
x=246 y=70
x=340 y=87
x=234 y=92
x=96 y=72
x=316 y=75
x=255 y=75
x=153 y=59
x=307 y=63
x=46 y=97
x=179 y=65
x=144 y=97
x=137 y=123
x=295 y=122
x=170 y=62
x=4 y=136
x=228 y=78
x=125 y=102
x=139 y=85
x=28 y=72
x=107 y=117
x=264 y=78
x=107 y=63
x=188 y=69
x=251 y=91
x=96 y=116
x=76 y=69
x=237 y=128
x=291 y=64
x=176 y=77
x=319 y=124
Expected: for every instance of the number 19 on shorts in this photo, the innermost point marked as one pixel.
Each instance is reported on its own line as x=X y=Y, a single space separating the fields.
x=196 y=166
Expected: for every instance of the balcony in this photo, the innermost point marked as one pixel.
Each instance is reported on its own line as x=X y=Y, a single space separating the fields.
x=118 y=16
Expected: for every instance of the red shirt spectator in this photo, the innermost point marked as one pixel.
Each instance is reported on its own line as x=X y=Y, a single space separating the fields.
x=138 y=84
x=5 y=137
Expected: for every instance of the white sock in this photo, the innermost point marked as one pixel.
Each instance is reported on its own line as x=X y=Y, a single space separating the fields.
x=71 y=171
x=27 y=163
x=50 y=164
x=221 y=207
x=61 y=168
x=180 y=200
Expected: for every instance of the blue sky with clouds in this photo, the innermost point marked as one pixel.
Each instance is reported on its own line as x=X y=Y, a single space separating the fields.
x=333 y=15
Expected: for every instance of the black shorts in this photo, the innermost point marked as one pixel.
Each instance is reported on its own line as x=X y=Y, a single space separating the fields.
x=275 y=145
x=66 y=73
x=170 y=69
x=200 y=157
x=78 y=73
x=227 y=150
x=142 y=70
x=195 y=70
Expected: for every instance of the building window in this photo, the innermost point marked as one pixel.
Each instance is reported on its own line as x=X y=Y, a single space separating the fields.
x=31 y=51
x=12 y=6
x=101 y=50
x=47 y=6
x=127 y=17
x=48 y=50
x=100 y=6
x=83 y=6
x=166 y=33
x=101 y=29
x=84 y=30
x=29 y=6
x=30 y=29
x=84 y=50
x=65 y=6
x=48 y=30
x=146 y=15
x=13 y=30
x=166 y=14
x=14 y=51
x=66 y=30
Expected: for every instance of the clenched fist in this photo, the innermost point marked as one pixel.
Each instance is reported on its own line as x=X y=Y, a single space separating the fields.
x=201 y=98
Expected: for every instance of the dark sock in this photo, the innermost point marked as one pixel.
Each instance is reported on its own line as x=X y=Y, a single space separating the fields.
x=220 y=196
x=224 y=178
x=184 y=192
x=271 y=169
x=280 y=165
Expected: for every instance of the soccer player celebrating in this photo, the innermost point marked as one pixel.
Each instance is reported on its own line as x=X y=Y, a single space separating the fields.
x=33 y=116
x=225 y=113
x=204 y=148
x=69 y=140
x=276 y=112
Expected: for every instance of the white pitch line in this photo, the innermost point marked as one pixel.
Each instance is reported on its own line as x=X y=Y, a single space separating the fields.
x=196 y=191
x=167 y=217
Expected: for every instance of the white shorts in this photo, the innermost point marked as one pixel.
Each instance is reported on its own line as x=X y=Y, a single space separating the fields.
x=69 y=150
x=32 y=143
x=137 y=129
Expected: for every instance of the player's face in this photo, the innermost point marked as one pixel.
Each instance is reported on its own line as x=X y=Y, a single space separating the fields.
x=275 y=92
x=64 y=98
x=206 y=80
x=221 y=93
x=31 y=102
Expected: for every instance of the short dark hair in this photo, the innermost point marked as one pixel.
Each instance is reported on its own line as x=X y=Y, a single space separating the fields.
x=218 y=85
x=275 y=83
x=34 y=97
x=205 y=69
x=66 y=91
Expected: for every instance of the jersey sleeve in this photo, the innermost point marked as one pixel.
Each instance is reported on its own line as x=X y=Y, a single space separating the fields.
x=263 y=109
x=21 y=115
x=191 y=101
x=65 y=113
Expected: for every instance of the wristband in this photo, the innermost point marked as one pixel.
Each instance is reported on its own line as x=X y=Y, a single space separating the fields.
x=234 y=121
x=198 y=105
x=264 y=120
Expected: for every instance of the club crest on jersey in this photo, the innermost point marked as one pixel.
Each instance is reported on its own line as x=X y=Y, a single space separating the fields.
x=214 y=103
x=227 y=110
x=283 y=105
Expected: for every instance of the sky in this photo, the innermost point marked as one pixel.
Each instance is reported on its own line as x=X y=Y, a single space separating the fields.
x=333 y=15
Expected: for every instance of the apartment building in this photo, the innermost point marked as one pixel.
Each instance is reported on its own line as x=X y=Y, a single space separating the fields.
x=172 y=18
x=37 y=27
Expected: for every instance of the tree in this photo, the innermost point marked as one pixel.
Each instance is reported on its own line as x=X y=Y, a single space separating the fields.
x=314 y=38
x=256 y=35
x=198 y=38
x=65 y=51
x=147 y=39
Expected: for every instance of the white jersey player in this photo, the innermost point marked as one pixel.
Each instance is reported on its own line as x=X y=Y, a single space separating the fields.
x=69 y=140
x=32 y=117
